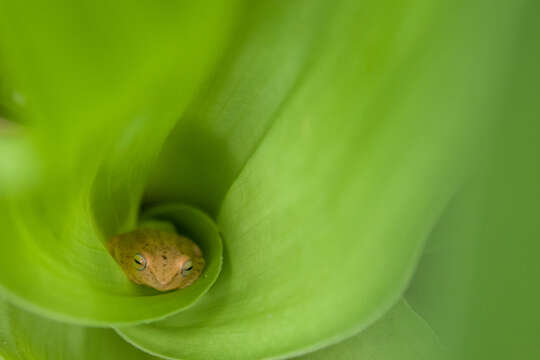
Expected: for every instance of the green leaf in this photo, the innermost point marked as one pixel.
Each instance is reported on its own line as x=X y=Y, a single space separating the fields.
x=324 y=224
x=438 y=291
x=399 y=334
x=26 y=336
x=210 y=145
x=326 y=162
x=101 y=85
x=477 y=283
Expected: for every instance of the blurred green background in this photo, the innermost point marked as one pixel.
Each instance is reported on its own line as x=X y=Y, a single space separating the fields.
x=372 y=167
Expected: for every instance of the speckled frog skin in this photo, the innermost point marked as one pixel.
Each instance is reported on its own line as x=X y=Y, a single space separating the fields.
x=156 y=258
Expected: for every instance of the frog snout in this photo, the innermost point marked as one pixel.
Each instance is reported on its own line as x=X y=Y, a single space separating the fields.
x=165 y=279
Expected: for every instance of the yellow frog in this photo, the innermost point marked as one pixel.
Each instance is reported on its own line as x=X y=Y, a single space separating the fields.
x=156 y=258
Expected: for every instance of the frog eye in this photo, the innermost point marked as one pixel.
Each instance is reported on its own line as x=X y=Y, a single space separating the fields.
x=186 y=269
x=140 y=262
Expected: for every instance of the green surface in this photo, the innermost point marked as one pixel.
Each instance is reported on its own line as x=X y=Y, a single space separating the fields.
x=325 y=222
x=25 y=336
x=399 y=334
x=477 y=284
x=325 y=140
x=102 y=85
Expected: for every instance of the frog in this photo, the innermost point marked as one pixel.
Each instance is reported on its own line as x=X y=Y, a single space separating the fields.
x=156 y=258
